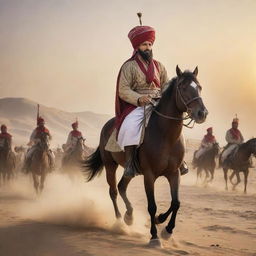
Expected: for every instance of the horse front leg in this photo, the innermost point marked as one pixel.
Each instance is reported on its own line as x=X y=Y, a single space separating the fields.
x=36 y=182
x=238 y=180
x=198 y=174
x=212 y=174
x=174 y=181
x=122 y=188
x=231 y=177
x=206 y=176
x=149 y=181
x=246 y=172
x=42 y=179
x=225 y=170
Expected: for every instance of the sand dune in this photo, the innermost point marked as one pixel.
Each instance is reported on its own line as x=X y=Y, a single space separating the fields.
x=20 y=116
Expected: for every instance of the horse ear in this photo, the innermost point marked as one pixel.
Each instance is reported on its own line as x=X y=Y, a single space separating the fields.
x=195 y=72
x=178 y=71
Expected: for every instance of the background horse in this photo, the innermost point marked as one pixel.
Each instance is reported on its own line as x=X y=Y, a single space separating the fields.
x=207 y=162
x=161 y=153
x=20 y=153
x=40 y=162
x=240 y=162
x=7 y=162
x=75 y=157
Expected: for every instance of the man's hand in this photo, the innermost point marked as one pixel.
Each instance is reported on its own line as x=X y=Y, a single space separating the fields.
x=144 y=100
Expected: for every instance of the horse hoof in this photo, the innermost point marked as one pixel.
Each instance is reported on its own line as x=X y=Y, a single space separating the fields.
x=155 y=243
x=165 y=235
x=128 y=219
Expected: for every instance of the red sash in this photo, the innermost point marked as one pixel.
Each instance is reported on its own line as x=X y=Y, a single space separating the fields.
x=76 y=133
x=123 y=108
x=40 y=130
x=236 y=134
x=209 y=138
x=4 y=135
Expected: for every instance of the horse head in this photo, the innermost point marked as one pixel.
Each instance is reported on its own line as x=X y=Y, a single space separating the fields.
x=44 y=141
x=216 y=148
x=80 y=145
x=253 y=146
x=188 y=99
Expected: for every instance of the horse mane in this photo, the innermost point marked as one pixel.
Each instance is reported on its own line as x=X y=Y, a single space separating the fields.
x=248 y=142
x=168 y=90
x=169 y=87
x=253 y=140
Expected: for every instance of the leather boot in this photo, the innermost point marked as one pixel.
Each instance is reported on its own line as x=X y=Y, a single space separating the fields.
x=183 y=168
x=129 y=171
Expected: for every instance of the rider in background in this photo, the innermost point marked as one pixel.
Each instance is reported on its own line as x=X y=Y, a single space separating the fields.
x=4 y=135
x=233 y=137
x=206 y=144
x=35 y=139
x=73 y=138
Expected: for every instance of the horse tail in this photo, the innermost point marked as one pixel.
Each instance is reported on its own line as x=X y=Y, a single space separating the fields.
x=93 y=165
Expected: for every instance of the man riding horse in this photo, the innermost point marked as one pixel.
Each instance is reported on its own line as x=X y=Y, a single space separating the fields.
x=5 y=137
x=35 y=138
x=74 y=136
x=7 y=157
x=234 y=138
x=206 y=144
x=141 y=79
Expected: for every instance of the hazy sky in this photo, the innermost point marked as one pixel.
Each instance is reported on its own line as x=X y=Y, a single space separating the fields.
x=67 y=53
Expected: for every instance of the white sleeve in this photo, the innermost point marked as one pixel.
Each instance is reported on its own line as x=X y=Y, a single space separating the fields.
x=68 y=143
x=32 y=136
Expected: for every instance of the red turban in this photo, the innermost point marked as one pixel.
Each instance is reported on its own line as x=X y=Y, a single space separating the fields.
x=140 y=34
x=75 y=125
x=40 y=120
x=209 y=129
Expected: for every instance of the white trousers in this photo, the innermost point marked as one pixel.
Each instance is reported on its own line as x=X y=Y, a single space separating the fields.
x=131 y=128
x=201 y=151
x=228 y=151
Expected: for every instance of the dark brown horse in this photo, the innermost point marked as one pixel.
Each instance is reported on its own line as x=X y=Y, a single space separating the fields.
x=40 y=162
x=240 y=162
x=207 y=162
x=161 y=153
x=7 y=162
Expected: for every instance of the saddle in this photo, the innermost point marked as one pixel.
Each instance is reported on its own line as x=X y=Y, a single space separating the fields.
x=231 y=156
x=112 y=144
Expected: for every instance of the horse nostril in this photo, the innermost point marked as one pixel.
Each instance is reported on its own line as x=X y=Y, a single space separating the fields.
x=201 y=114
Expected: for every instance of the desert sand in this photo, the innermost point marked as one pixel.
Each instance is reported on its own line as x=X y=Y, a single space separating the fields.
x=72 y=217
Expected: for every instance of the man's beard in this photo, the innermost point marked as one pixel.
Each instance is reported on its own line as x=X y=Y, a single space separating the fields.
x=146 y=55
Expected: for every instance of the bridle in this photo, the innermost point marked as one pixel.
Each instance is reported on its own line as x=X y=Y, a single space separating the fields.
x=179 y=95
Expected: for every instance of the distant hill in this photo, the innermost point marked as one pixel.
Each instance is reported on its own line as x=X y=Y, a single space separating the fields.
x=19 y=114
